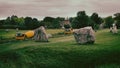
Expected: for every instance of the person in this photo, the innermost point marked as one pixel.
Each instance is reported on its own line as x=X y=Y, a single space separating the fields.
x=114 y=28
x=7 y=30
x=17 y=29
x=111 y=29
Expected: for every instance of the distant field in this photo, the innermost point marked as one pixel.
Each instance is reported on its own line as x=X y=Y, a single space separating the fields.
x=60 y=52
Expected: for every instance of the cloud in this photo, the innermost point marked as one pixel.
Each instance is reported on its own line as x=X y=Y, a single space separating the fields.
x=54 y=8
x=105 y=7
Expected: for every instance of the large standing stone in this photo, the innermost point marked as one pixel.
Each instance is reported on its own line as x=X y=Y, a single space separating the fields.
x=40 y=35
x=84 y=35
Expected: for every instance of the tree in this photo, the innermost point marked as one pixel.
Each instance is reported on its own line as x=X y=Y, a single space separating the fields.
x=35 y=23
x=109 y=21
x=117 y=19
x=67 y=26
x=57 y=21
x=48 y=19
x=42 y=23
x=51 y=22
x=48 y=22
x=14 y=20
x=8 y=21
x=81 y=20
x=71 y=19
x=2 y=22
x=28 y=22
x=21 y=21
x=117 y=16
x=75 y=23
x=96 y=19
x=31 y=23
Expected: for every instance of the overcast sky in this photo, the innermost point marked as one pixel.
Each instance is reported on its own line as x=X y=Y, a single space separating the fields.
x=54 y=8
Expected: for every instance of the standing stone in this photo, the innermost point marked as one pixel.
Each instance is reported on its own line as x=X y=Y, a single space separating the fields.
x=114 y=29
x=84 y=35
x=101 y=26
x=40 y=35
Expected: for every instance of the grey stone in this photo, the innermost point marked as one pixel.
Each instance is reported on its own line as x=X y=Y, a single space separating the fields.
x=40 y=35
x=84 y=35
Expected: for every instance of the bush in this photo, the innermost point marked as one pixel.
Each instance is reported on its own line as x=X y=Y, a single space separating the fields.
x=8 y=26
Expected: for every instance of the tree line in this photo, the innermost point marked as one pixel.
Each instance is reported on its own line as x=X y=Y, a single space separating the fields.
x=80 y=20
x=29 y=22
x=20 y=22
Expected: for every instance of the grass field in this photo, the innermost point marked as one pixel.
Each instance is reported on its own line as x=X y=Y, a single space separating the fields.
x=61 y=52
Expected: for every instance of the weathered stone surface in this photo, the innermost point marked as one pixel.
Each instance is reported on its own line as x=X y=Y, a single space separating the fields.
x=40 y=35
x=113 y=29
x=49 y=35
x=84 y=35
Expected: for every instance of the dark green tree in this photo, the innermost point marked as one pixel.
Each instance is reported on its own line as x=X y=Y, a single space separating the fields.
x=57 y=22
x=35 y=23
x=82 y=20
x=75 y=23
x=42 y=23
x=96 y=19
x=109 y=21
x=67 y=26
x=2 y=22
x=8 y=21
x=117 y=19
x=51 y=22
x=28 y=23
x=21 y=21
x=14 y=20
x=48 y=22
x=71 y=19
x=31 y=23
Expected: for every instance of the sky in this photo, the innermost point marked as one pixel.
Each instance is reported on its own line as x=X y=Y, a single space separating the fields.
x=57 y=8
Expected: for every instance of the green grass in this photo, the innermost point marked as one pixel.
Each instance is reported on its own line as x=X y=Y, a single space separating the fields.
x=61 y=52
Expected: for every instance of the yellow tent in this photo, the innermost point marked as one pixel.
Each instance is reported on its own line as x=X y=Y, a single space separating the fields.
x=29 y=34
